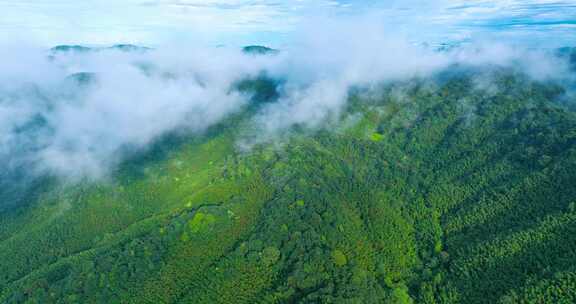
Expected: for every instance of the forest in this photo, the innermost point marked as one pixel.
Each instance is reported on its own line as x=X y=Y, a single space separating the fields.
x=427 y=190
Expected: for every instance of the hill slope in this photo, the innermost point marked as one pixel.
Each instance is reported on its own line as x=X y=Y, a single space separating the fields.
x=426 y=192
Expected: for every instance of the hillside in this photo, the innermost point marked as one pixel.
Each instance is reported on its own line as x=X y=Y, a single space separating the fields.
x=433 y=190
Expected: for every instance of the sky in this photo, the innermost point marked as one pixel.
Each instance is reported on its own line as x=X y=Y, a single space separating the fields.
x=271 y=22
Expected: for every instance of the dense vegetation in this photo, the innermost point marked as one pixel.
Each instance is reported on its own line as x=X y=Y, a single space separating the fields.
x=426 y=191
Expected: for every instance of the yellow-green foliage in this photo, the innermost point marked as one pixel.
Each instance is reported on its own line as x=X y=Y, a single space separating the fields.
x=339 y=258
x=376 y=137
x=200 y=221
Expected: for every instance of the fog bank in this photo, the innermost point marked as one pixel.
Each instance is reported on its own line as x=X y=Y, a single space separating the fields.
x=74 y=113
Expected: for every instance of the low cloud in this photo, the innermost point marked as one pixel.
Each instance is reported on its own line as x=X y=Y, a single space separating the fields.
x=74 y=114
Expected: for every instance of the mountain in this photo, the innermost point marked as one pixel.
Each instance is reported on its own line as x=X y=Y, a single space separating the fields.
x=70 y=49
x=258 y=50
x=84 y=49
x=59 y=49
x=431 y=190
x=129 y=48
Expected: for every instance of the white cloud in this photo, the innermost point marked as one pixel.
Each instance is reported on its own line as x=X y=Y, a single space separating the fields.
x=76 y=130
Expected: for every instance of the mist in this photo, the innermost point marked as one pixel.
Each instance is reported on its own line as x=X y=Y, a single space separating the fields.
x=74 y=114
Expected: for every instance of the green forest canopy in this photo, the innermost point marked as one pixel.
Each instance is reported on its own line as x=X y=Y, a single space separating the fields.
x=444 y=194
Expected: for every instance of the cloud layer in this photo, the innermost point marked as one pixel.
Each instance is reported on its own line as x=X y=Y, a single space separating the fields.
x=74 y=114
x=77 y=114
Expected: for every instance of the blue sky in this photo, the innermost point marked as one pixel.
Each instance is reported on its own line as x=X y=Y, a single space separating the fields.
x=239 y=22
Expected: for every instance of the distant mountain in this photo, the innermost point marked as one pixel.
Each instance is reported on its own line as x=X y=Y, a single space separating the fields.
x=129 y=48
x=70 y=49
x=259 y=50
x=85 y=49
